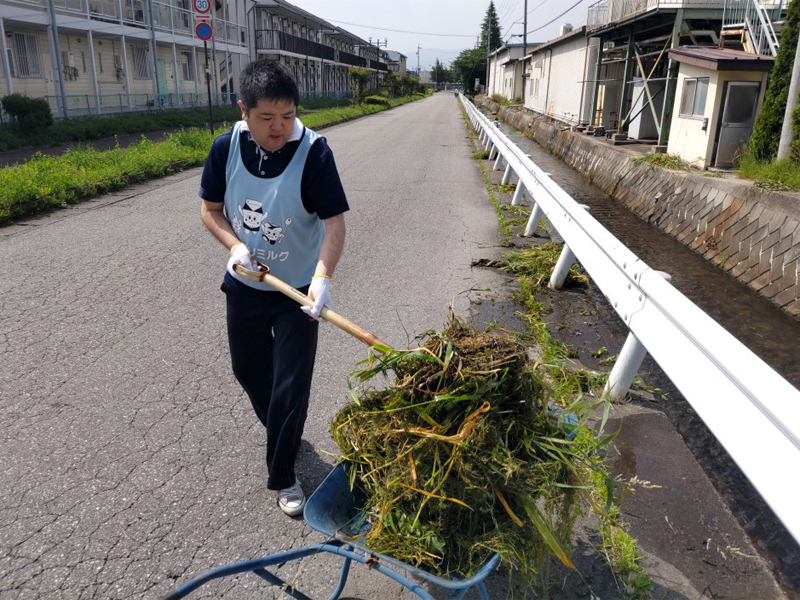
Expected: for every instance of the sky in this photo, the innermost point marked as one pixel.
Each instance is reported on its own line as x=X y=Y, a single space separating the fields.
x=456 y=23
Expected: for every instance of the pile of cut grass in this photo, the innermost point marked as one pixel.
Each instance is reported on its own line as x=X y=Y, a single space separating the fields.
x=462 y=456
x=666 y=161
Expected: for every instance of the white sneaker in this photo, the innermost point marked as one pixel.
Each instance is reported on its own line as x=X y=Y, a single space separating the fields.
x=292 y=500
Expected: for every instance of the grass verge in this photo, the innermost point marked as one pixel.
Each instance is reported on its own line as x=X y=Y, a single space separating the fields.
x=95 y=128
x=533 y=266
x=47 y=182
x=779 y=175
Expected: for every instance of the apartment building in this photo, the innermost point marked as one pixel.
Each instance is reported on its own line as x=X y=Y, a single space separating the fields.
x=104 y=56
x=318 y=52
x=396 y=62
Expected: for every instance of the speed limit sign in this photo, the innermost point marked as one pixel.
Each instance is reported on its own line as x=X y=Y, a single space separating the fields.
x=202 y=6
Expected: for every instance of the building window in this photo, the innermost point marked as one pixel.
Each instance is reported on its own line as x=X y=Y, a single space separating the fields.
x=27 y=57
x=83 y=60
x=693 y=99
x=140 y=65
x=187 y=65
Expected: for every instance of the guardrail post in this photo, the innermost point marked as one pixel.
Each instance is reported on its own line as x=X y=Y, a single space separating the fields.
x=506 y=175
x=565 y=261
x=497 y=162
x=492 y=150
x=628 y=363
x=518 y=194
x=533 y=221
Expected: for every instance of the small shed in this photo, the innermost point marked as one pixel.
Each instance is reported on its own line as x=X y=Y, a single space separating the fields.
x=718 y=95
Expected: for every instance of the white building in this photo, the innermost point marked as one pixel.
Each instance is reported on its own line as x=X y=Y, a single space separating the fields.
x=106 y=56
x=100 y=56
x=556 y=72
x=505 y=72
x=719 y=94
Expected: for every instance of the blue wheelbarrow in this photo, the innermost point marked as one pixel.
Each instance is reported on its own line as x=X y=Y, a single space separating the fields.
x=332 y=510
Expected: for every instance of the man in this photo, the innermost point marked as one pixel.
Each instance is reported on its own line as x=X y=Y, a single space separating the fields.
x=271 y=193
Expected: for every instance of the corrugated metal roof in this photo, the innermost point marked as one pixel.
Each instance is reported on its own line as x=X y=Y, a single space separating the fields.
x=721 y=59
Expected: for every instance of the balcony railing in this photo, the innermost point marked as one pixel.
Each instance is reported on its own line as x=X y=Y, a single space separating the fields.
x=604 y=12
x=166 y=17
x=270 y=39
x=377 y=65
x=352 y=59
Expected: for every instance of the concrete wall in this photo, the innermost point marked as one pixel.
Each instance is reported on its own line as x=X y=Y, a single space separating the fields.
x=687 y=138
x=752 y=234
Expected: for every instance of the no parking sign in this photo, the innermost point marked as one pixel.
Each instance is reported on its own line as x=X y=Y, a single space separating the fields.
x=203 y=31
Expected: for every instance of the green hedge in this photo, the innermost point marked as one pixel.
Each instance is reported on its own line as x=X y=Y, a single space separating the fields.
x=46 y=182
x=28 y=113
x=767 y=128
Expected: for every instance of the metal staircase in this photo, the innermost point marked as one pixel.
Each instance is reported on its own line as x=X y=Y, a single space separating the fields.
x=750 y=24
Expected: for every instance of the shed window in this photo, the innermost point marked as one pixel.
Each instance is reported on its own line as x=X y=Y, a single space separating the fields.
x=693 y=99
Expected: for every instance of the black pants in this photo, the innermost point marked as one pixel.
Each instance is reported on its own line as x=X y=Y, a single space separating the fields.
x=273 y=346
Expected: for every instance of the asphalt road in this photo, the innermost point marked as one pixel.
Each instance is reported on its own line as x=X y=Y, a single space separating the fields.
x=130 y=460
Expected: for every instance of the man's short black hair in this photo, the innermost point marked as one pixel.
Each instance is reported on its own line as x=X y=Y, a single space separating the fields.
x=268 y=80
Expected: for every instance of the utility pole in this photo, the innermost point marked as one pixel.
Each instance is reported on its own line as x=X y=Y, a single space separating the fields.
x=791 y=103
x=488 y=52
x=418 y=73
x=525 y=31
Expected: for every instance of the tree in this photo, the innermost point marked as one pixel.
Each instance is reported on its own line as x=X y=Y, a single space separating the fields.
x=767 y=129
x=440 y=73
x=359 y=81
x=469 y=66
x=490 y=30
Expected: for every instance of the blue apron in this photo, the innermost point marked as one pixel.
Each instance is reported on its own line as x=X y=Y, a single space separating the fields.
x=268 y=215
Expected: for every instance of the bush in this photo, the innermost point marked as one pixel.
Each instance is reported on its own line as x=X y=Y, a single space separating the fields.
x=767 y=129
x=28 y=112
x=379 y=100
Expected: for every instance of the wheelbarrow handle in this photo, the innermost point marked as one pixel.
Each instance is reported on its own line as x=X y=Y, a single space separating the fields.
x=298 y=296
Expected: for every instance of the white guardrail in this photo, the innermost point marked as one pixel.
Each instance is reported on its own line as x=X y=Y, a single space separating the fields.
x=752 y=411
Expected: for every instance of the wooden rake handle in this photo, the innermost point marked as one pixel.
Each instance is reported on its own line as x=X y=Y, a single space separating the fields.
x=298 y=296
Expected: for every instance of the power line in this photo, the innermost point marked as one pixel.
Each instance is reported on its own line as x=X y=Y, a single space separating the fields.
x=555 y=18
x=508 y=13
x=537 y=6
x=471 y=35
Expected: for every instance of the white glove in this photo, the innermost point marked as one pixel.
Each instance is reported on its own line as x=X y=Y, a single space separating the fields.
x=320 y=292
x=240 y=255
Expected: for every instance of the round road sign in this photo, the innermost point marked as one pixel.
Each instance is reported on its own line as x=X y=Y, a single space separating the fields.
x=202 y=6
x=203 y=31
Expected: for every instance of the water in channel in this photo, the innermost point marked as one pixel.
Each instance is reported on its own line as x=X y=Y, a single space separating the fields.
x=764 y=328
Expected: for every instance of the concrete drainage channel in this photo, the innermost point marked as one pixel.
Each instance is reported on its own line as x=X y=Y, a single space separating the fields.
x=692 y=543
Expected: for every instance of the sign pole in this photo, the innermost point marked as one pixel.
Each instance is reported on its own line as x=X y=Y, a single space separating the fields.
x=204 y=31
x=208 y=87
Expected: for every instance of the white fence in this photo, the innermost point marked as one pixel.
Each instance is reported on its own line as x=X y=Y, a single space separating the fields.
x=752 y=411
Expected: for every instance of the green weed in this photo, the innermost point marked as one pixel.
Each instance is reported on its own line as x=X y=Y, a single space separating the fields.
x=666 y=161
x=46 y=182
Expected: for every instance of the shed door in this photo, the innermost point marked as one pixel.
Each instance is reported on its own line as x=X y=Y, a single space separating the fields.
x=738 y=115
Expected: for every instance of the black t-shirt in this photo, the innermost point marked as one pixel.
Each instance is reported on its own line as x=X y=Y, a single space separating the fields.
x=320 y=187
